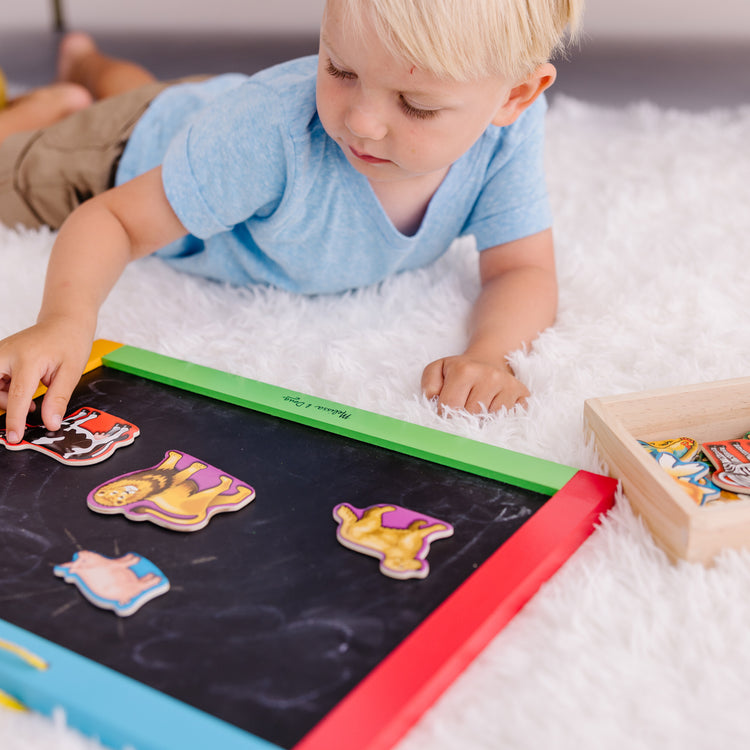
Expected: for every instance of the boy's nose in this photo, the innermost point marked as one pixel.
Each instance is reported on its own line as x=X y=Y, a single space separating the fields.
x=364 y=122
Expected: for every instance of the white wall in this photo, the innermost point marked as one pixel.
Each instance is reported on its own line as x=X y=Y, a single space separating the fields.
x=194 y=15
x=230 y=15
x=668 y=19
x=678 y=19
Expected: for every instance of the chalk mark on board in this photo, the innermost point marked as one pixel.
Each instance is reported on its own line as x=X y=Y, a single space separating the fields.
x=29 y=594
x=65 y=607
x=72 y=538
x=202 y=560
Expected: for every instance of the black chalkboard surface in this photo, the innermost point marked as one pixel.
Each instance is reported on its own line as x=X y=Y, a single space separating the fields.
x=269 y=622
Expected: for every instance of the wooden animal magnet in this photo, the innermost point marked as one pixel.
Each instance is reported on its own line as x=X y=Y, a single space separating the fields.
x=400 y=537
x=179 y=493
x=732 y=461
x=678 y=457
x=692 y=475
x=683 y=448
x=122 y=584
x=87 y=436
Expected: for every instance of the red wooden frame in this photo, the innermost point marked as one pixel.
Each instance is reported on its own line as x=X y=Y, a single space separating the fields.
x=390 y=700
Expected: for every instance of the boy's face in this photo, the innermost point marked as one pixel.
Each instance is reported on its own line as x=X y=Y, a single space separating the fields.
x=392 y=120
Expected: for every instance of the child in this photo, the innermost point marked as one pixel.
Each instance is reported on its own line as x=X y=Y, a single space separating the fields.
x=417 y=122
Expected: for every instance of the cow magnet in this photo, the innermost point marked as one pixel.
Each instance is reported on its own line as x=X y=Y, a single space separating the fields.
x=732 y=461
x=87 y=436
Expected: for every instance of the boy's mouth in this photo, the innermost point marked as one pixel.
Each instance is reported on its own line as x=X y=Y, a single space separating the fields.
x=366 y=157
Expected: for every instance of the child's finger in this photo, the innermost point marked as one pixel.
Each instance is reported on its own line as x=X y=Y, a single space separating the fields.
x=55 y=402
x=433 y=379
x=454 y=395
x=479 y=399
x=20 y=391
x=509 y=397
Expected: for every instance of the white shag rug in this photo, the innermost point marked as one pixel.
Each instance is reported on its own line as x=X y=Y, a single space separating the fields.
x=621 y=649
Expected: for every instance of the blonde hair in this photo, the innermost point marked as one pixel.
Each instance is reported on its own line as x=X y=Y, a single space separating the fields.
x=469 y=39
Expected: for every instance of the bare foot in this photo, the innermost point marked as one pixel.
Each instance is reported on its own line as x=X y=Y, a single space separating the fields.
x=71 y=54
x=42 y=107
x=80 y=61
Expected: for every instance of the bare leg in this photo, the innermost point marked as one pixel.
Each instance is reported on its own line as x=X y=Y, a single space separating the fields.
x=84 y=74
x=80 y=61
x=42 y=107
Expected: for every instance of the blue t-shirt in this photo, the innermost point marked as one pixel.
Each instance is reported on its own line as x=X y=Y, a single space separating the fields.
x=267 y=196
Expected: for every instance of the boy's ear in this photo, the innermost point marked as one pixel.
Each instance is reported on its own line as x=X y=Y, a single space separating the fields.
x=524 y=94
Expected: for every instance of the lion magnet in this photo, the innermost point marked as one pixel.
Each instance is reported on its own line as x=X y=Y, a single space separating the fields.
x=400 y=537
x=87 y=436
x=180 y=493
x=122 y=584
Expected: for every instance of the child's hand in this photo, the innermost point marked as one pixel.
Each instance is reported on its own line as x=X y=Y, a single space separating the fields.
x=54 y=352
x=462 y=382
x=518 y=299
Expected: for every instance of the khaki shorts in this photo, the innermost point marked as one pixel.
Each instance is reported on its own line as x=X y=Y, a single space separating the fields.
x=45 y=174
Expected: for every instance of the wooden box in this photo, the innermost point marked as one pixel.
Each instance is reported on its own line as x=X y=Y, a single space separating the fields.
x=707 y=412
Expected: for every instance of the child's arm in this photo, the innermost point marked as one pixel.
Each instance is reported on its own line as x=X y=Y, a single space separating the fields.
x=90 y=253
x=518 y=300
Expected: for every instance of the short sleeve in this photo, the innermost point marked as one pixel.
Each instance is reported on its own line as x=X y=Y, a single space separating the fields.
x=513 y=202
x=230 y=163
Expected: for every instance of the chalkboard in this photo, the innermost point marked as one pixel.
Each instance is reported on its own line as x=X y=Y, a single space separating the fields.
x=270 y=623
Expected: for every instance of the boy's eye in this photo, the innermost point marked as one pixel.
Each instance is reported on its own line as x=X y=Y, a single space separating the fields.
x=408 y=109
x=416 y=112
x=344 y=75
